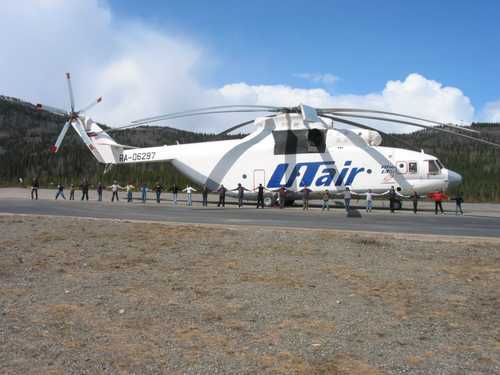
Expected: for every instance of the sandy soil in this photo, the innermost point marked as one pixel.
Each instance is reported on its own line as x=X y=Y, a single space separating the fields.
x=93 y=296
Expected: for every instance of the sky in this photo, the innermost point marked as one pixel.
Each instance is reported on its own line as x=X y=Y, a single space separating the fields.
x=436 y=59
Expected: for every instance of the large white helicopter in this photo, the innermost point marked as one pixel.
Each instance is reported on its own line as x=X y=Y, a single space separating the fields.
x=292 y=146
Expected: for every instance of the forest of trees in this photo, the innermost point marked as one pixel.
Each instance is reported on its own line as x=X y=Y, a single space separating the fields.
x=26 y=135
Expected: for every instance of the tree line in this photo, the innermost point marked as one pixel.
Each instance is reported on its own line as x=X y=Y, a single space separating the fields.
x=26 y=135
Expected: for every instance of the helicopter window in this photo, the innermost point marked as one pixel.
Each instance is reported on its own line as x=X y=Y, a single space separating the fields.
x=299 y=141
x=316 y=140
x=412 y=167
x=433 y=167
x=441 y=166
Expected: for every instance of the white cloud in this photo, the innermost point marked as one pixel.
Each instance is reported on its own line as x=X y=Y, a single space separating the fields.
x=142 y=71
x=137 y=69
x=416 y=95
x=322 y=78
x=491 y=112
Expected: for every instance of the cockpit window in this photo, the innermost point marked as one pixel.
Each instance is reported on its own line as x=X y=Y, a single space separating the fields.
x=441 y=166
x=433 y=167
x=303 y=141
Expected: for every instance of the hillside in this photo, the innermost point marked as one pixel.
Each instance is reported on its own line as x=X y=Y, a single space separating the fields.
x=25 y=137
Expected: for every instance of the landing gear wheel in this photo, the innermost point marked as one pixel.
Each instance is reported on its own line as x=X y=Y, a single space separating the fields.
x=268 y=201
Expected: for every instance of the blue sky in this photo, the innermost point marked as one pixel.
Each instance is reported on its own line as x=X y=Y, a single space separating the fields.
x=365 y=43
x=434 y=59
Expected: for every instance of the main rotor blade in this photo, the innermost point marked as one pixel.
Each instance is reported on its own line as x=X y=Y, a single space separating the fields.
x=227 y=131
x=135 y=124
x=57 y=111
x=335 y=111
x=362 y=126
x=70 y=89
x=233 y=128
x=54 y=148
x=443 y=130
x=91 y=105
x=264 y=108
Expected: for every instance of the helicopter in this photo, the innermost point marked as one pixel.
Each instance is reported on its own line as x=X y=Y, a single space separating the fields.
x=293 y=147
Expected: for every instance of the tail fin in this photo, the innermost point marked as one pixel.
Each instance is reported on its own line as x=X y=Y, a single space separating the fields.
x=103 y=147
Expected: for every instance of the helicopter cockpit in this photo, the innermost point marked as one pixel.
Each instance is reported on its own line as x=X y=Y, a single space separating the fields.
x=300 y=141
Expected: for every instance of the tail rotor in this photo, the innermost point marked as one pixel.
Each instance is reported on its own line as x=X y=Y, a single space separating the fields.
x=73 y=118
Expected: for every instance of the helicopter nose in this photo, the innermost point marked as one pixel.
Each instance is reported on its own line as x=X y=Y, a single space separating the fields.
x=454 y=179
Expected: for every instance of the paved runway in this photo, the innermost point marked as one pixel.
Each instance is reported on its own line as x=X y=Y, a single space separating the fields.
x=378 y=221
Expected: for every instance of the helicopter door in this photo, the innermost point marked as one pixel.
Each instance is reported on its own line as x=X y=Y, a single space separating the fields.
x=259 y=177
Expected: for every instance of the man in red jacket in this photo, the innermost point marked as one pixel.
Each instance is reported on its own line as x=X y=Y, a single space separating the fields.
x=438 y=198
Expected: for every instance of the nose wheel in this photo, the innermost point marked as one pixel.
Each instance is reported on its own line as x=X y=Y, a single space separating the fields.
x=268 y=201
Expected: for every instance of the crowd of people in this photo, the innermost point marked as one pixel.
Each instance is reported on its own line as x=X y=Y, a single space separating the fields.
x=281 y=194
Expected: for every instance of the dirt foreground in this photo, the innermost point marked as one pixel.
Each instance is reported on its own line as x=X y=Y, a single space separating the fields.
x=84 y=296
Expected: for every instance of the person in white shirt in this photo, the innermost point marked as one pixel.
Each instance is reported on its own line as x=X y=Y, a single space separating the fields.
x=347 y=195
x=369 y=198
x=189 y=192
x=114 y=188
x=130 y=188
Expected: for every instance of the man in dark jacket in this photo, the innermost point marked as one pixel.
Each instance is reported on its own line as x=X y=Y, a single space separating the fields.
x=393 y=197
x=60 y=191
x=158 y=190
x=85 y=189
x=414 y=198
x=204 y=196
x=100 y=188
x=260 y=195
x=222 y=196
x=241 y=194
x=175 y=191
x=459 y=199
x=34 y=189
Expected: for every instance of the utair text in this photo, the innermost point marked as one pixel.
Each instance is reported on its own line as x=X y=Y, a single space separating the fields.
x=328 y=174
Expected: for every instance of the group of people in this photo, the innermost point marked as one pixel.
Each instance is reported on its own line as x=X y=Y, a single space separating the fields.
x=347 y=195
x=84 y=187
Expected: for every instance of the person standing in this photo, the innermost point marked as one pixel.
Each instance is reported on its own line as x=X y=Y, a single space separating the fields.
x=305 y=197
x=144 y=192
x=260 y=195
x=414 y=198
x=326 y=200
x=85 y=189
x=189 y=194
x=72 y=193
x=393 y=198
x=60 y=191
x=175 y=191
x=222 y=196
x=158 y=190
x=369 y=200
x=114 y=189
x=130 y=188
x=204 y=196
x=34 y=189
x=438 y=198
x=459 y=199
x=282 y=195
x=99 y=189
x=347 y=195
x=241 y=194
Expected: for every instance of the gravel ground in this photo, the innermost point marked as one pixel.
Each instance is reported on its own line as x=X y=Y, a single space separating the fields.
x=84 y=296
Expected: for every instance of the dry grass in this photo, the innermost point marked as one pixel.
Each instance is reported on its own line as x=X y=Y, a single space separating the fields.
x=178 y=299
